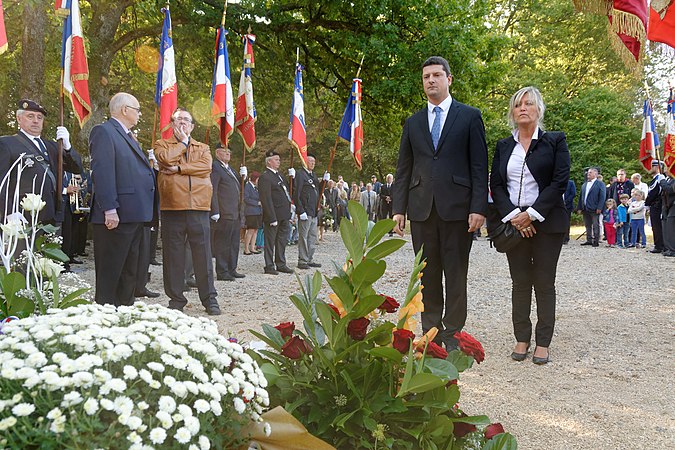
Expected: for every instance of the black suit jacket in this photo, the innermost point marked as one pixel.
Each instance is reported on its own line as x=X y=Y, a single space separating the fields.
x=226 y=189
x=595 y=200
x=548 y=160
x=454 y=178
x=305 y=193
x=122 y=176
x=11 y=147
x=274 y=197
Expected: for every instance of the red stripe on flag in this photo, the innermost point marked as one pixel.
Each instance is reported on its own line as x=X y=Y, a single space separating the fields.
x=79 y=76
x=3 y=34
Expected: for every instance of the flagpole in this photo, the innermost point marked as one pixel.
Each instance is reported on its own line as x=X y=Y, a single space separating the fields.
x=243 y=142
x=332 y=152
x=651 y=106
x=290 y=178
x=154 y=126
x=63 y=13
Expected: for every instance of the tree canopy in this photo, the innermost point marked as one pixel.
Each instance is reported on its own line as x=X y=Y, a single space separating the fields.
x=494 y=47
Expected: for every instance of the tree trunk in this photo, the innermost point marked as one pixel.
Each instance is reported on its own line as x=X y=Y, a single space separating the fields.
x=33 y=51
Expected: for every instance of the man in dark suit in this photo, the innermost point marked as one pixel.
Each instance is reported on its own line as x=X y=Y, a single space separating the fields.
x=591 y=202
x=441 y=182
x=124 y=199
x=386 y=194
x=225 y=215
x=306 y=194
x=655 y=204
x=276 y=206
x=667 y=186
x=40 y=162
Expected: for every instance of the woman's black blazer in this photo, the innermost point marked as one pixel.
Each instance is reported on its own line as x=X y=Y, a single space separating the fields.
x=548 y=159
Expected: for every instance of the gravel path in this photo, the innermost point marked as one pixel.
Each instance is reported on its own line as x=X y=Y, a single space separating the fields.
x=610 y=384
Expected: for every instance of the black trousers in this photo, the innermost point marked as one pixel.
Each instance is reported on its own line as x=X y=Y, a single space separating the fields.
x=669 y=233
x=447 y=245
x=143 y=260
x=176 y=227
x=276 y=240
x=225 y=239
x=592 y=227
x=533 y=263
x=657 y=227
x=116 y=255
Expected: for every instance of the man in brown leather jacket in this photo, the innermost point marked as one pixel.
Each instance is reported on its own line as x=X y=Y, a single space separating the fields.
x=185 y=191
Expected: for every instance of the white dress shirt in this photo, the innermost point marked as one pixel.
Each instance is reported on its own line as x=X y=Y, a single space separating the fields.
x=521 y=185
x=445 y=106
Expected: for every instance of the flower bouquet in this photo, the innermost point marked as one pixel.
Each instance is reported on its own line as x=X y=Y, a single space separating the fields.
x=357 y=379
x=137 y=377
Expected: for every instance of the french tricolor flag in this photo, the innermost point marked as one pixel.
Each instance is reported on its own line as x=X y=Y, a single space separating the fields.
x=351 y=128
x=222 y=107
x=650 y=140
x=298 y=132
x=166 y=88
x=74 y=61
x=246 y=116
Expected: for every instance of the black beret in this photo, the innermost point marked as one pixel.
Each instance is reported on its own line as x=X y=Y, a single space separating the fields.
x=311 y=154
x=271 y=153
x=30 y=105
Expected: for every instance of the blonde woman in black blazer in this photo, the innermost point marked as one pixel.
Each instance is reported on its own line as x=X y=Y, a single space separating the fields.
x=529 y=176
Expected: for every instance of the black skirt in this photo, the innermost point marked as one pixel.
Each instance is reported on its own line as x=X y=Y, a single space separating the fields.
x=254 y=222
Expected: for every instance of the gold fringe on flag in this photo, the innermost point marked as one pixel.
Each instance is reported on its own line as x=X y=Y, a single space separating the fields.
x=629 y=24
x=602 y=7
x=635 y=66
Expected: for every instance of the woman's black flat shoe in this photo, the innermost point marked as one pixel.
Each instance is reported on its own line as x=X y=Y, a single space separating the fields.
x=541 y=361
x=518 y=356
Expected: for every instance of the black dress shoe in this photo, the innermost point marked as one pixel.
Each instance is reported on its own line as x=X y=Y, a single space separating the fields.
x=270 y=271
x=596 y=245
x=655 y=251
x=520 y=356
x=146 y=293
x=213 y=310
x=586 y=243
x=74 y=260
x=285 y=269
x=313 y=264
x=154 y=262
x=225 y=277
x=236 y=274
x=541 y=361
x=177 y=308
x=302 y=266
x=84 y=255
x=668 y=253
x=191 y=282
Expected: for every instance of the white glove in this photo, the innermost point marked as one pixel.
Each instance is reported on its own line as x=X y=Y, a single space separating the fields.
x=215 y=217
x=291 y=172
x=274 y=224
x=243 y=171
x=62 y=133
x=151 y=155
x=303 y=216
x=326 y=177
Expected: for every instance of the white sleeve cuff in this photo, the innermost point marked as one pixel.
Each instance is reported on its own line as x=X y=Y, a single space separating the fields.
x=511 y=215
x=534 y=214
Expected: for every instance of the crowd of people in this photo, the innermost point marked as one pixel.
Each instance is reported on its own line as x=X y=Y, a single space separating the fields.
x=204 y=209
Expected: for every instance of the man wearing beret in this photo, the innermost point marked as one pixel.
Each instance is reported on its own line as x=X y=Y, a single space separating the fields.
x=40 y=158
x=306 y=195
x=276 y=206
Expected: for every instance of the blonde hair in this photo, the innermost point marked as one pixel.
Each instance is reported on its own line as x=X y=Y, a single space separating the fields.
x=638 y=192
x=610 y=201
x=535 y=96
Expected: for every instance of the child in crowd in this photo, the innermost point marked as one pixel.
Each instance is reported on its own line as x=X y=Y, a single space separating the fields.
x=636 y=209
x=610 y=219
x=623 y=225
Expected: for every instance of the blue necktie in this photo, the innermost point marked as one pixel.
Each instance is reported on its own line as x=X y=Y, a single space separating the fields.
x=436 y=127
x=43 y=149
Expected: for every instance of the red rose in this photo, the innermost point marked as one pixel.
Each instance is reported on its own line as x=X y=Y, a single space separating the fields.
x=286 y=329
x=436 y=351
x=493 y=430
x=335 y=310
x=402 y=340
x=357 y=328
x=470 y=346
x=389 y=304
x=451 y=382
x=461 y=429
x=295 y=347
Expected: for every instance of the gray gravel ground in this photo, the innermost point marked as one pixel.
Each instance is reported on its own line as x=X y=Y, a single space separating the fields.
x=610 y=382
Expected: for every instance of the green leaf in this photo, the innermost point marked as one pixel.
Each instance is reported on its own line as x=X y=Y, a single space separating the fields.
x=344 y=292
x=274 y=335
x=366 y=305
x=325 y=315
x=274 y=344
x=359 y=218
x=55 y=254
x=12 y=283
x=21 y=307
x=441 y=368
x=423 y=382
x=51 y=229
x=474 y=420
x=440 y=425
x=75 y=295
x=460 y=360
x=385 y=248
x=316 y=284
x=368 y=272
x=270 y=371
x=388 y=353
x=73 y=302
x=353 y=242
x=348 y=379
x=380 y=228
x=502 y=441
x=343 y=418
x=403 y=390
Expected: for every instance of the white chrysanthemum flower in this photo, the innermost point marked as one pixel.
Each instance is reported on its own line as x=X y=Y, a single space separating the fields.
x=157 y=367
x=179 y=389
x=134 y=438
x=164 y=419
x=59 y=425
x=107 y=404
x=239 y=405
x=23 y=409
x=204 y=443
x=83 y=379
x=142 y=406
x=145 y=375
x=7 y=423
x=91 y=406
x=134 y=423
x=130 y=372
x=154 y=384
x=201 y=406
x=184 y=410
x=71 y=398
x=167 y=404
x=192 y=424
x=216 y=408
x=157 y=436
x=54 y=414
x=183 y=435
x=37 y=359
x=117 y=385
x=177 y=418
x=123 y=405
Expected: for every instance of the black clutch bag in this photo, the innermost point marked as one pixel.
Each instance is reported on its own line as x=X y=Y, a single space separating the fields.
x=504 y=237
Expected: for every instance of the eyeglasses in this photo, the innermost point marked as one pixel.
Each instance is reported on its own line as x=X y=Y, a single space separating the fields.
x=182 y=119
x=138 y=110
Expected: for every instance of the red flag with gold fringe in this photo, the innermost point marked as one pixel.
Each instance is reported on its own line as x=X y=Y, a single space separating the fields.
x=661 y=26
x=3 y=34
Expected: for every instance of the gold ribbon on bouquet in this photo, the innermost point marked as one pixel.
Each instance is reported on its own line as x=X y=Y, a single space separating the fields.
x=287 y=433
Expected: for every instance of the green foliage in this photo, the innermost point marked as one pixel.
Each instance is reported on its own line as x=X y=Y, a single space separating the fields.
x=356 y=390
